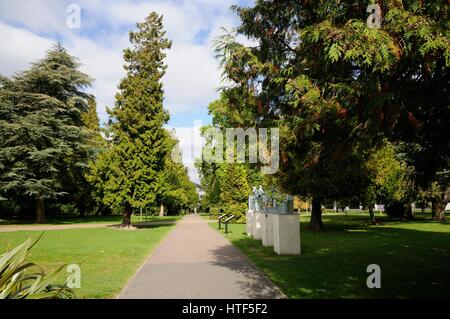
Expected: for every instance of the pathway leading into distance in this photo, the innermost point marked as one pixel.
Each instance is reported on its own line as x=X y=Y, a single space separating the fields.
x=196 y=262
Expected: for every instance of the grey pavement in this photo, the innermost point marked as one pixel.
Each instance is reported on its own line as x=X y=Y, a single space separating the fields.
x=196 y=262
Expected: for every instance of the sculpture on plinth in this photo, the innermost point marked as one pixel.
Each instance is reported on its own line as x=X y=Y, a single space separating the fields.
x=272 y=220
x=287 y=206
x=252 y=201
x=260 y=201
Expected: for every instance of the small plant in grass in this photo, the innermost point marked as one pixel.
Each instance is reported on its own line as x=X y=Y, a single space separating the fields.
x=21 y=279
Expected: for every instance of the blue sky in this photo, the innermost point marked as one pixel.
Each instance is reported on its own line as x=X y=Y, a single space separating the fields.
x=31 y=27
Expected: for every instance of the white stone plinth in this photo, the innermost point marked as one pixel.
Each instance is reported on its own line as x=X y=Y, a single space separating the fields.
x=267 y=231
x=286 y=238
x=258 y=221
x=249 y=223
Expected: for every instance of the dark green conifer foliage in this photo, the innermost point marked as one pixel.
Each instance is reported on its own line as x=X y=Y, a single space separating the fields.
x=41 y=127
x=130 y=175
x=333 y=86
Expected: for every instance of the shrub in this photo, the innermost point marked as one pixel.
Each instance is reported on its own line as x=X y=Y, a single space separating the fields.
x=20 y=279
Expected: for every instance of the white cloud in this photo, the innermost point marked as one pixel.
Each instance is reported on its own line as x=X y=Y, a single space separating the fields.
x=192 y=77
x=181 y=22
x=190 y=143
x=38 y=16
x=19 y=49
x=104 y=64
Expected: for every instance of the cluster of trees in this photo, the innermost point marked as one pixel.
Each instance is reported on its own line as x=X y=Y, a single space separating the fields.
x=363 y=112
x=227 y=187
x=52 y=149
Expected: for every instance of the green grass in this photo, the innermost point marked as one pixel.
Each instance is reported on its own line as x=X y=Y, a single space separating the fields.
x=115 y=219
x=414 y=257
x=109 y=257
x=208 y=217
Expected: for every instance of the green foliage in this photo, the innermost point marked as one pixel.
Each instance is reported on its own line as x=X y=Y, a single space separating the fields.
x=180 y=193
x=20 y=279
x=234 y=190
x=92 y=123
x=42 y=136
x=336 y=88
x=209 y=179
x=131 y=172
x=391 y=178
x=210 y=182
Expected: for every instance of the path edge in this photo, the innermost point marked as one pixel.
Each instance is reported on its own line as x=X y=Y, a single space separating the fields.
x=253 y=265
x=116 y=297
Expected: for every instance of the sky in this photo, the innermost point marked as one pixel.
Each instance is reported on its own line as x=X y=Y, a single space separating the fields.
x=28 y=28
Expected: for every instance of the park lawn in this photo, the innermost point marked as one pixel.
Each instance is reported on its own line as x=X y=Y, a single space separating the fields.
x=109 y=257
x=414 y=257
x=114 y=219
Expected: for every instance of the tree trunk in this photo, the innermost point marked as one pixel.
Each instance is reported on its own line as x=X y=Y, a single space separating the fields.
x=373 y=220
x=440 y=211
x=161 y=210
x=444 y=199
x=126 y=220
x=316 y=223
x=408 y=211
x=439 y=205
x=82 y=212
x=40 y=211
x=433 y=209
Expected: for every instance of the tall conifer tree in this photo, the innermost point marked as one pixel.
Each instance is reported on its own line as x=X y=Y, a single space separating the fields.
x=41 y=127
x=131 y=175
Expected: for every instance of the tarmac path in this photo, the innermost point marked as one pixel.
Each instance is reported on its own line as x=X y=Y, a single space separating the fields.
x=196 y=262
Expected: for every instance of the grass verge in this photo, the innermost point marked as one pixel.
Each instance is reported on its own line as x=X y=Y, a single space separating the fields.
x=413 y=255
x=109 y=257
x=114 y=219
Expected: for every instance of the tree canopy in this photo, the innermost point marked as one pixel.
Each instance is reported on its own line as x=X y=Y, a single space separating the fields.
x=131 y=173
x=336 y=87
x=42 y=133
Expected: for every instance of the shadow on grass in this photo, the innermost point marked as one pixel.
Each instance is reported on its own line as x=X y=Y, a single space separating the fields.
x=141 y=226
x=65 y=220
x=414 y=263
x=117 y=219
x=338 y=223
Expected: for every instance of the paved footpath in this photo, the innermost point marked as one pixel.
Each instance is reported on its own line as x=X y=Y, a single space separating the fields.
x=196 y=262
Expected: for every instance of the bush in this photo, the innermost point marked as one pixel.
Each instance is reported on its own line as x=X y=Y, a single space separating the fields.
x=69 y=209
x=238 y=210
